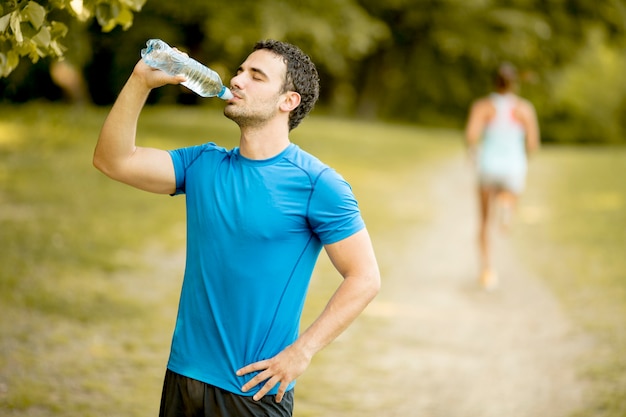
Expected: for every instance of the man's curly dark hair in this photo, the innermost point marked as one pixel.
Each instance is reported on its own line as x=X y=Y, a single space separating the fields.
x=301 y=77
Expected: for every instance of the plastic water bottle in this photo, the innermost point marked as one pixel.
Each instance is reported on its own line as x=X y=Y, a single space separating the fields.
x=200 y=79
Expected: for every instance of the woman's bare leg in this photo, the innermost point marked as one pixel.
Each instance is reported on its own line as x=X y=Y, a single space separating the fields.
x=488 y=278
x=506 y=202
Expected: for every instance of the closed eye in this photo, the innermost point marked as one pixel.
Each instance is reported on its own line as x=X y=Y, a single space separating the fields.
x=257 y=73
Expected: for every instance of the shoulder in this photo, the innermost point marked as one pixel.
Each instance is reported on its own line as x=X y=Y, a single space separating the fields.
x=482 y=108
x=524 y=104
x=324 y=180
x=524 y=108
x=193 y=152
x=306 y=162
x=207 y=154
x=483 y=104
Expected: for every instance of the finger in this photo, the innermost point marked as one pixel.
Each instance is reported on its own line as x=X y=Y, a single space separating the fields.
x=256 y=366
x=258 y=379
x=171 y=79
x=266 y=388
x=251 y=384
x=182 y=52
x=281 y=391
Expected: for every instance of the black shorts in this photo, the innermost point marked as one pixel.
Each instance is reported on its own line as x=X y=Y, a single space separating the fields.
x=186 y=397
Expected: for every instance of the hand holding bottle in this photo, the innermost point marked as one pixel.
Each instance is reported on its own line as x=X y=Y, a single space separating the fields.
x=198 y=78
x=154 y=78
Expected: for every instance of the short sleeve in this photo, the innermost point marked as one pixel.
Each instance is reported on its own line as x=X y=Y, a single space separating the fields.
x=183 y=158
x=333 y=210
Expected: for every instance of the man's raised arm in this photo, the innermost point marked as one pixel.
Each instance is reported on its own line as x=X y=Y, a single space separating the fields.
x=116 y=153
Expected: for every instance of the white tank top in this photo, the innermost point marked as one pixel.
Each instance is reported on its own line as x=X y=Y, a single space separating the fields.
x=503 y=143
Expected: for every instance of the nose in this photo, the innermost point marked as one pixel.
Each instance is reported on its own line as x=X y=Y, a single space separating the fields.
x=237 y=81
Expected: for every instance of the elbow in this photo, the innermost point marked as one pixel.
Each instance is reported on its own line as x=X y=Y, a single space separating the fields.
x=100 y=164
x=537 y=145
x=373 y=284
x=366 y=287
x=105 y=165
x=533 y=146
x=97 y=162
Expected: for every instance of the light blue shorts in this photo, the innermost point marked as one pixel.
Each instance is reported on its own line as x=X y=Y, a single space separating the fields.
x=513 y=181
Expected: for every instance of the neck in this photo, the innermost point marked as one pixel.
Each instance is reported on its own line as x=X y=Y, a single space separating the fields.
x=505 y=91
x=264 y=142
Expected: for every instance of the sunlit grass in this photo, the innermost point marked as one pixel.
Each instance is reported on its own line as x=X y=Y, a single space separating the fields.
x=78 y=319
x=576 y=218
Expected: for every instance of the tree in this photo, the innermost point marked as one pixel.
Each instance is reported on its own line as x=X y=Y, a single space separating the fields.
x=336 y=33
x=422 y=61
x=34 y=29
x=443 y=52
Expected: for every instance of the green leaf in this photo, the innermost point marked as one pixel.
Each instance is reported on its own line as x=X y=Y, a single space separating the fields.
x=34 y=53
x=106 y=14
x=57 y=48
x=3 y=64
x=125 y=18
x=57 y=4
x=15 y=27
x=34 y=13
x=134 y=4
x=8 y=63
x=4 y=23
x=7 y=7
x=42 y=38
x=58 y=29
x=28 y=31
x=13 y=59
x=81 y=12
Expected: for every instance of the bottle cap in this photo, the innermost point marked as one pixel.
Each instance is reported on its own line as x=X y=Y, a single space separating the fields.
x=225 y=94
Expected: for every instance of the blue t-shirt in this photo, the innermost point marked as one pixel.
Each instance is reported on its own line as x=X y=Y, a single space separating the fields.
x=254 y=231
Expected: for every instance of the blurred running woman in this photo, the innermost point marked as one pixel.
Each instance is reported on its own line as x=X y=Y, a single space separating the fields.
x=501 y=132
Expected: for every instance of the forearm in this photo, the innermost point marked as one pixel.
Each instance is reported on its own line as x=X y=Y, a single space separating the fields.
x=472 y=138
x=475 y=125
x=532 y=137
x=348 y=302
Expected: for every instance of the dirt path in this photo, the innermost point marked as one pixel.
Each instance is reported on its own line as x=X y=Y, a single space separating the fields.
x=434 y=345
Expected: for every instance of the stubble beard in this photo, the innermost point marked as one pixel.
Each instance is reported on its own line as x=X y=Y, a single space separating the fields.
x=245 y=117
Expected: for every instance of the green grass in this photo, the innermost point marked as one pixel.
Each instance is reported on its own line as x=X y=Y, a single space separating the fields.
x=91 y=269
x=575 y=208
x=74 y=329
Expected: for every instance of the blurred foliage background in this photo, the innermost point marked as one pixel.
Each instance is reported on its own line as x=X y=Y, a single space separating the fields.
x=420 y=61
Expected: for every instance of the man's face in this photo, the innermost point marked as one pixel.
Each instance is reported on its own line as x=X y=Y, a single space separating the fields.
x=257 y=89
